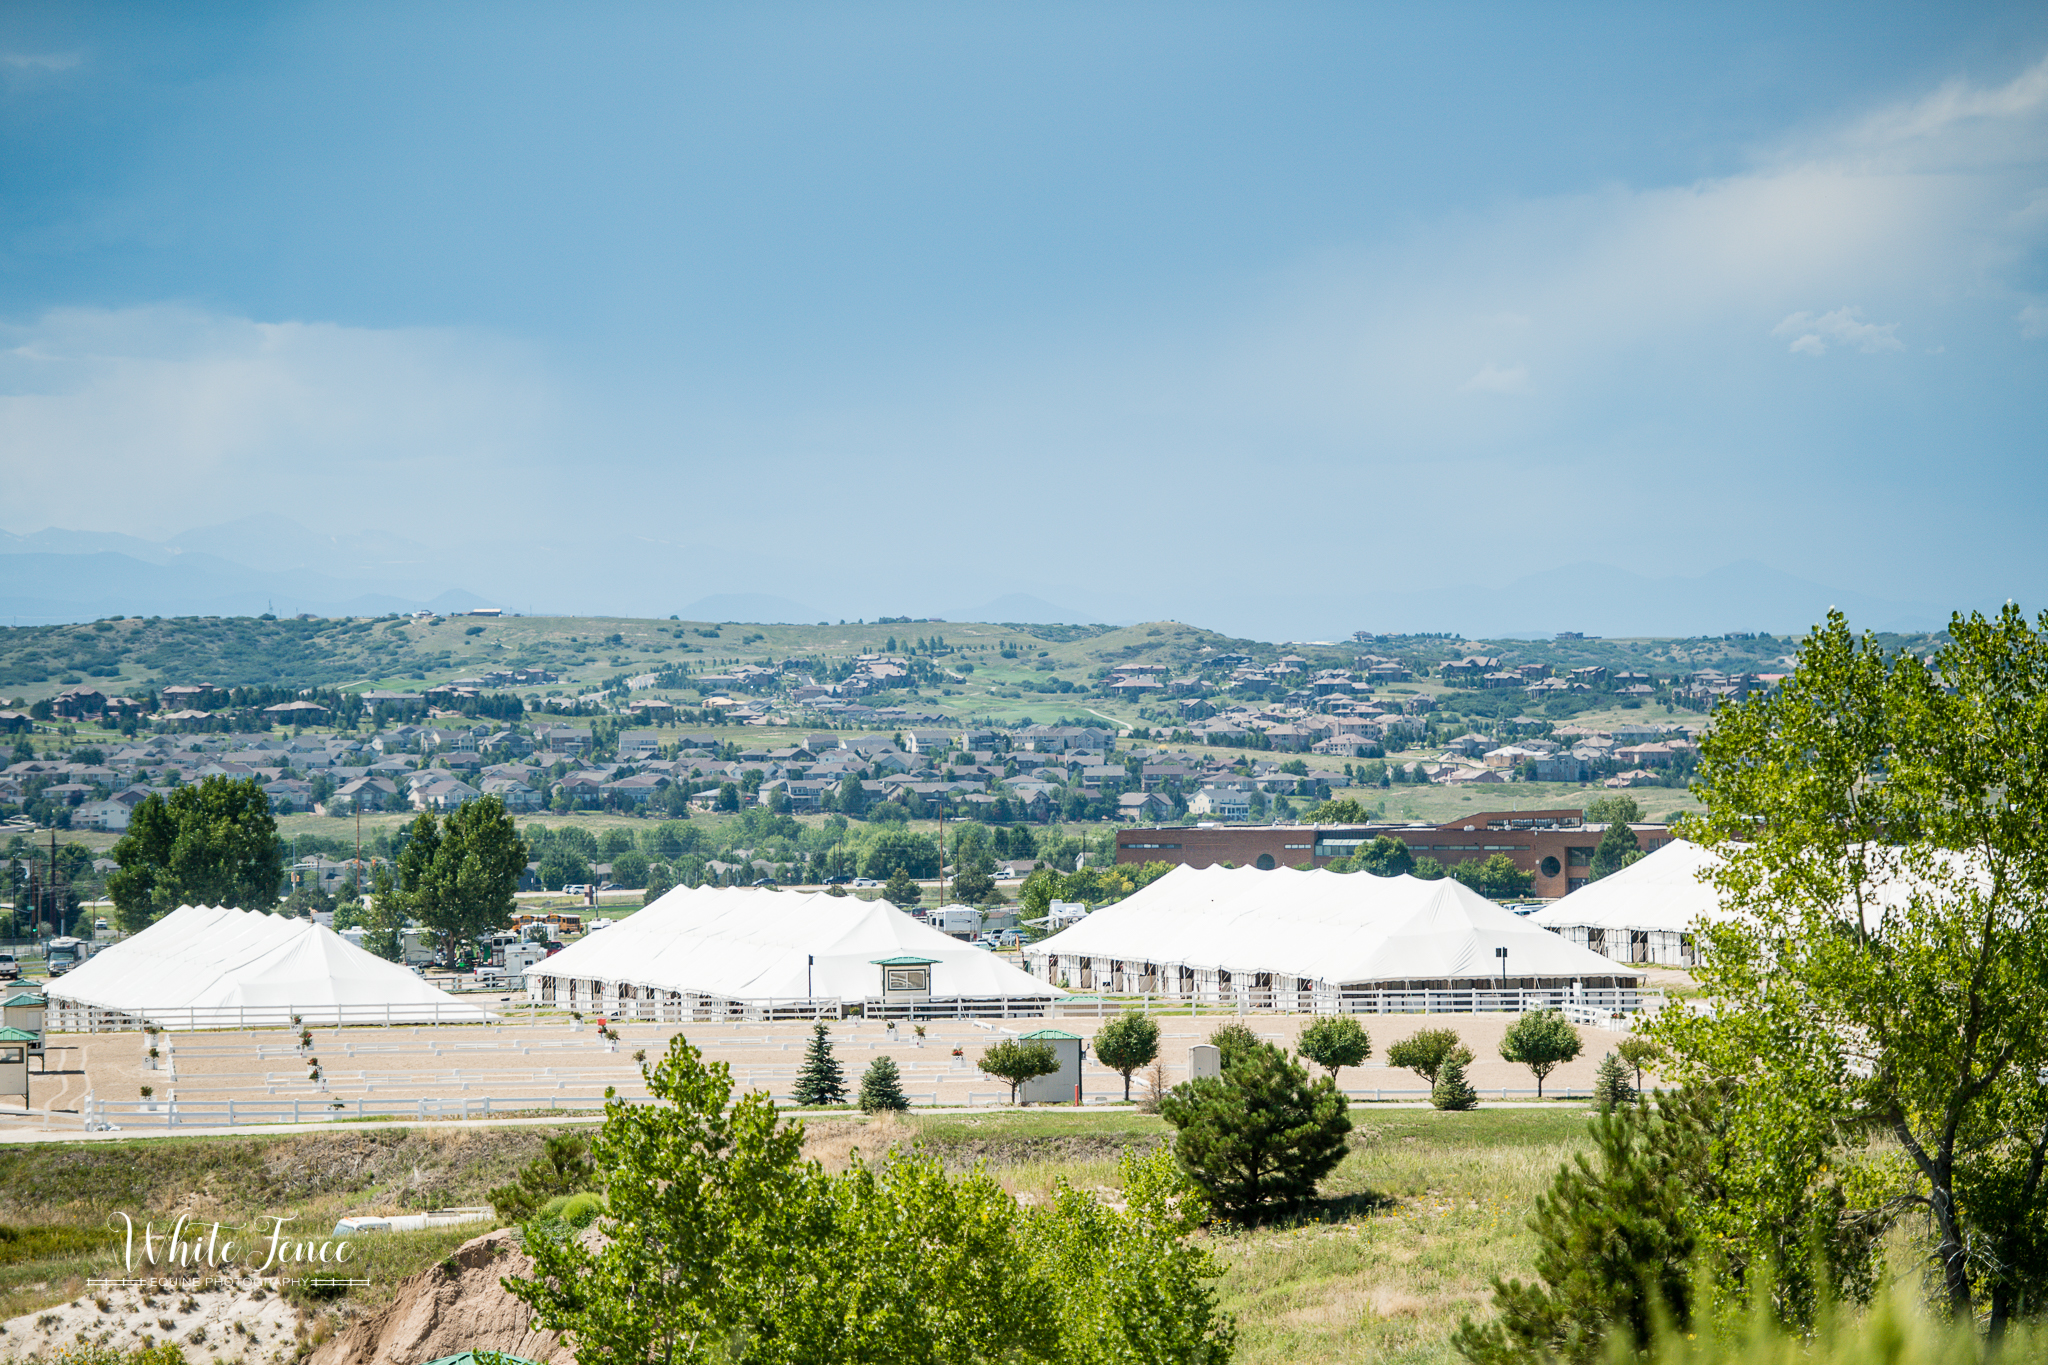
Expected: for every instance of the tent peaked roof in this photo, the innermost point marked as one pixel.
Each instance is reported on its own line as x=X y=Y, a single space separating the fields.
x=1666 y=890
x=748 y=943
x=206 y=965
x=1321 y=925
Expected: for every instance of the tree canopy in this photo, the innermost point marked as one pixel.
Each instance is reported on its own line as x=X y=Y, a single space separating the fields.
x=1880 y=821
x=212 y=842
x=457 y=875
x=1259 y=1137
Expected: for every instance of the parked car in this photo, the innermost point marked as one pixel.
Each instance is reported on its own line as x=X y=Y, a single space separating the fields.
x=865 y=881
x=10 y=970
x=489 y=975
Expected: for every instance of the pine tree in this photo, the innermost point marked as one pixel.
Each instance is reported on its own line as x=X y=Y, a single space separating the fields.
x=1611 y=1087
x=1259 y=1137
x=820 y=1081
x=1452 y=1090
x=880 y=1088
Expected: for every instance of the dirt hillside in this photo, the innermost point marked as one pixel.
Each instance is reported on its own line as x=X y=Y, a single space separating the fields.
x=441 y=1313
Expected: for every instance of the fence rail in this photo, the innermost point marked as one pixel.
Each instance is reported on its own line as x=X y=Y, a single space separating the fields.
x=1586 y=1006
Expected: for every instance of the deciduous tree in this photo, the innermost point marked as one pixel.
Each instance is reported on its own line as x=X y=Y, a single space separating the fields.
x=1335 y=1043
x=1880 y=821
x=1541 y=1040
x=1126 y=1043
x=212 y=842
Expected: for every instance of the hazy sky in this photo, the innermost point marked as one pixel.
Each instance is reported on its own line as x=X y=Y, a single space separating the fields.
x=1197 y=309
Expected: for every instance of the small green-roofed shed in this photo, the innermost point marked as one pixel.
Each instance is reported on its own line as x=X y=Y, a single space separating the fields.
x=14 y=1045
x=1062 y=1086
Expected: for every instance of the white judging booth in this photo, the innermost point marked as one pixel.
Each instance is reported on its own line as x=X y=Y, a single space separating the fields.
x=206 y=966
x=749 y=952
x=1325 y=942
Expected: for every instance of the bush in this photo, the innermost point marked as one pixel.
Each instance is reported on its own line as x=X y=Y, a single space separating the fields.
x=1258 y=1137
x=1016 y=1062
x=1614 y=1242
x=1611 y=1085
x=1126 y=1043
x=1234 y=1041
x=1452 y=1090
x=881 y=1089
x=1540 y=1040
x=1423 y=1053
x=561 y=1170
x=1335 y=1043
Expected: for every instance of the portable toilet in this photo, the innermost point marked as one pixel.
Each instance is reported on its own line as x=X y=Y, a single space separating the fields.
x=1204 y=1059
x=24 y=1013
x=906 y=980
x=1062 y=1086
x=14 y=1063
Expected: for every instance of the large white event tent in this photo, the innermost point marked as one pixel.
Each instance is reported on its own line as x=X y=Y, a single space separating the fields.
x=204 y=966
x=1646 y=912
x=708 y=952
x=1340 y=940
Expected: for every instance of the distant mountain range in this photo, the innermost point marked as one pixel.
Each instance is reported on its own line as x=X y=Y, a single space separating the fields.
x=258 y=564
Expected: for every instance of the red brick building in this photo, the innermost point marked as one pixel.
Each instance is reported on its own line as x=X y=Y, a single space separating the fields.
x=1556 y=845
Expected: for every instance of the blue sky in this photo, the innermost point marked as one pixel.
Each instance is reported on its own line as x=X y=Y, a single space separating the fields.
x=1278 y=318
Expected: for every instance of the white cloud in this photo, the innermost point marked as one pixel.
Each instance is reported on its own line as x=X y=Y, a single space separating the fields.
x=1498 y=379
x=1844 y=326
x=181 y=416
x=40 y=61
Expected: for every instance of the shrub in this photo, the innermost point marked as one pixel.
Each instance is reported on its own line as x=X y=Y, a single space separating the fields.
x=1016 y=1062
x=1611 y=1086
x=562 y=1169
x=1335 y=1043
x=1126 y=1043
x=1258 y=1137
x=1423 y=1053
x=1234 y=1040
x=1452 y=1090
x=880 y=1088
x=1614 y=1241
x=1540 y=1040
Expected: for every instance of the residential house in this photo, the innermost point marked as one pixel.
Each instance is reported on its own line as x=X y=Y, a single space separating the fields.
x=1223 y=803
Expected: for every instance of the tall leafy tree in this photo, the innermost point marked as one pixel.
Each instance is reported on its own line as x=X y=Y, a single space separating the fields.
x=1541 y=1040
x=1423 y=1052
x=1258 y=1138
x=457 y=876
x=1880 y=820
x=1617 y=849
x=1016 y=1062
x=1335 y=1043
x=1126 y=1043
x=212 y=842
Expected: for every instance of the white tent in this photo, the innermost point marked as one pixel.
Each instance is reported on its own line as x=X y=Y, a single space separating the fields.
x=747 y=949
x=1644 y=913
x=1215 y=930
x=207 y=966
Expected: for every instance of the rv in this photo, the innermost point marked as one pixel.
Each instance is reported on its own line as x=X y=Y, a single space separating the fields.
x=65 y=953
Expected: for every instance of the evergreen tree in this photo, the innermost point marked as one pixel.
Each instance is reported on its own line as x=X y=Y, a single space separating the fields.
x=1259 y=1137
x=819 y=1081
x=1617 y=849
x=1452 y=1090
x=881 y=1088
x=900 y=890
x=1611 y=1087
x=1615 y=1240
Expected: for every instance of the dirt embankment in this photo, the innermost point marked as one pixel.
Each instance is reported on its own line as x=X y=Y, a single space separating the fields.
x=454 y=1306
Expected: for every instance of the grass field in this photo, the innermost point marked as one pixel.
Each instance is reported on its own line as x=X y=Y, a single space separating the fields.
x=1423 y=1211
